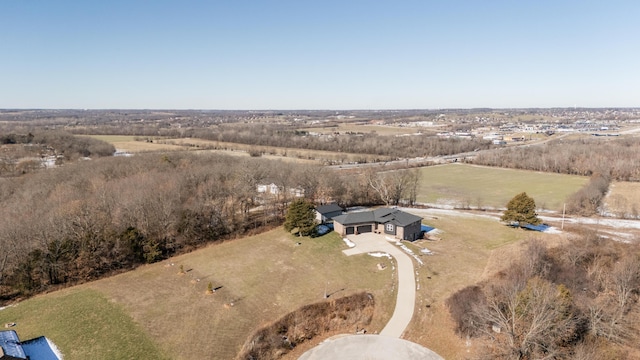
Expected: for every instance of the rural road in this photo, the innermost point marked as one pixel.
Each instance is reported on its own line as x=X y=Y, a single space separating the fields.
x=405 y=302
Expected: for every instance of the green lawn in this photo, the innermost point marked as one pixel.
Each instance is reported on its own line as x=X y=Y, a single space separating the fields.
x=266 y=276
x=84 y=324
x=479 y=186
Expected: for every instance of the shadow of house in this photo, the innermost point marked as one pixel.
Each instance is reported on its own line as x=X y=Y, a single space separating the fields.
x=397 y=223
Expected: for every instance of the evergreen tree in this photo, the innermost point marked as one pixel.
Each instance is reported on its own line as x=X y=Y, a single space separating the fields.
x=301 y=216
x=522 y=209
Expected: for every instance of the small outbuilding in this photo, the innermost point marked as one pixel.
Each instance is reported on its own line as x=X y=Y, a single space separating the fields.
x=401 y=225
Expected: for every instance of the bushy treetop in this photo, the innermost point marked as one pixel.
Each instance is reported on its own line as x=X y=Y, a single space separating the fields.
x=301 y=216
x=521 y=209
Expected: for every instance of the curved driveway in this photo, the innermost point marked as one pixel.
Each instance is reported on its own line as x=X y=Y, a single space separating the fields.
x=406 y=299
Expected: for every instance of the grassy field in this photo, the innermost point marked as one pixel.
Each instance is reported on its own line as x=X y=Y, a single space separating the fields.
x=320 y=155
x=477 y=186
x=128 y=143
x=623 y=199
x=470 y=248
x=157 y=312
x=378 y=129
x=154 y=312
x=84 y=324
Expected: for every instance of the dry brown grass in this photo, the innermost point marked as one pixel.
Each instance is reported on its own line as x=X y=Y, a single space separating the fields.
x=343 y=314
x=264 y=276
x=623 y=199
x=366 y=128
x=320 y=155
x=469 y=249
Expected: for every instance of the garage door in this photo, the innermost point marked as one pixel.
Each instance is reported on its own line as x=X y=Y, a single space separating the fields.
x=364 y=229
x=349 y=230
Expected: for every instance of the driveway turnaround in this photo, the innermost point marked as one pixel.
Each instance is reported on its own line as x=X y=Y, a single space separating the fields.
x=405 y=302
x=388 y=344
x=368 y=347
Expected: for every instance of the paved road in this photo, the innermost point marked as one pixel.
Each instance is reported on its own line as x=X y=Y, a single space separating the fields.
x=405 y=302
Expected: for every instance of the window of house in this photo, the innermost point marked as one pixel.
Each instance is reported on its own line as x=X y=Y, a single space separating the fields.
x=389 y=227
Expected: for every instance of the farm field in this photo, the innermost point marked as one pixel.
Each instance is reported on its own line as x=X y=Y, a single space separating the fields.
x=128 y=143
x=159 y=310
x=623 y=199
x=464 y=185
x=378 y=129
x=294 y=153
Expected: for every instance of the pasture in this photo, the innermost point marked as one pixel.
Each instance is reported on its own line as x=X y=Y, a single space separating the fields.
x=463 y=185
x=366 y=128
x=135 y=144
x=128 y=143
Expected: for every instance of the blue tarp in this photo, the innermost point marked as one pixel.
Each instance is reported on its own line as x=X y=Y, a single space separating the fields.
x=426 y=228
x=541 y=227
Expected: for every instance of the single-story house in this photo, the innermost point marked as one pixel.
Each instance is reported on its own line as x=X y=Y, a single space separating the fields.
x=401 y=225
x=40 y=348
x=327 y=212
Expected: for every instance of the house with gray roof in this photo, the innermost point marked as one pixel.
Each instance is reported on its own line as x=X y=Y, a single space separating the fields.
x=325 y=213
x=397 y=223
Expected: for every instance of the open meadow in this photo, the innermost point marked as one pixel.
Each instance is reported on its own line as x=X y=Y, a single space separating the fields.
x=366 y=128
x=128 y=143
x=264 y=276
x=133 y=144
x=463 y=185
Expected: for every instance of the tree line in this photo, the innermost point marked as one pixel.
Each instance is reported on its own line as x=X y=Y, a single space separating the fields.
x=577 y=301
x=370 y=143
x=23 y=152
x=585 y=156
x=87 y=219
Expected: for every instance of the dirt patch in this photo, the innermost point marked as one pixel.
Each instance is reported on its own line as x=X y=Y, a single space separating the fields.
x=347 y=314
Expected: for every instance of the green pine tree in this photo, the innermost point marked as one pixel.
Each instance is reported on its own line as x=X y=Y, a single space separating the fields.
x=522 y=209
x=301 y=216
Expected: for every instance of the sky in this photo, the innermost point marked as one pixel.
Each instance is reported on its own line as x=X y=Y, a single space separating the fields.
x=303 y=54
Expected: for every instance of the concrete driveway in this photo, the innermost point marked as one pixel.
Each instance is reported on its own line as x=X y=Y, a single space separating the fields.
x=388 y=344
x=405 y=302
x=368 y=347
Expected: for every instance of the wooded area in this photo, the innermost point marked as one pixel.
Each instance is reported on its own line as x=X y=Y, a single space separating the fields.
x=615 y=157
x=575 y=301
